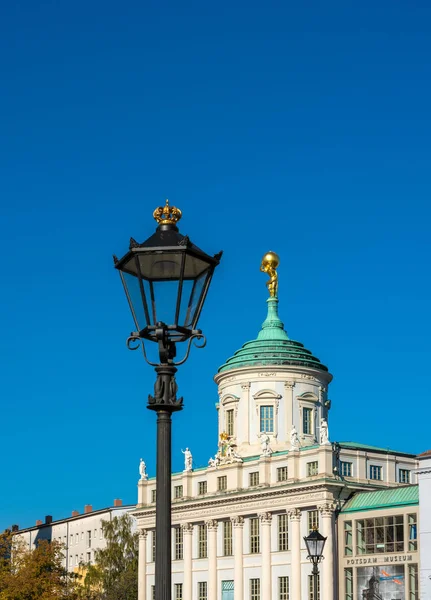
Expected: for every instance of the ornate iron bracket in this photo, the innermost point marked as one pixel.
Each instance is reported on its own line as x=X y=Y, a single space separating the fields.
x=167 y=349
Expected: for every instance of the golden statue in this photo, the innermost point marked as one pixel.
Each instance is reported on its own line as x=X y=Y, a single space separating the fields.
x=269 y=265
x=167 y=215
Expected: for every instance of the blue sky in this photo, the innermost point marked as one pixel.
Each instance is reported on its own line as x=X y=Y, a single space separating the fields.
x=298 y=127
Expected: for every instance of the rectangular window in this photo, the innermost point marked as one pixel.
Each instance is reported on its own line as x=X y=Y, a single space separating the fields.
x=76 y=560
x=404 y=476
x=153 y=545
x=222 y=483
x=375 y=472
x=313 y=519
x=348 y=538
x=71 y=540
x=283 y=532
x=178 y=543
x=380 y=535
x=202 y=590
x=307 y=421
x=153 y=592
x=227 y=538
x=413 y=532
x=254 y=536
x=178 y=491
x=202 y=488
x=254 y=478
x=312 y=468
x=267 y=419
x=88 y=557
x=311 y=587
x=229 y=422
x=283 y=588
x=178 y=591
x=346 y=469
x=202 y=541
x=153 y=495
x=348 y=584
x=413 y=582
x=89 y=539
x=254 y=589
x=282 y=474
x=95 y=533
x=77 y=538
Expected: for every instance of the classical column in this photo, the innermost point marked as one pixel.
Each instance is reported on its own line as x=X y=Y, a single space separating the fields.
x=327 y=565
x=238 y=549
x=187 y=553
x=212 y=559
x=295 y=540
x=265 y=521
x=142 y=564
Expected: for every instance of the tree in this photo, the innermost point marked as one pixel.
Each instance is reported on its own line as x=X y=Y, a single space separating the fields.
x=115 y=574
x=36 y=574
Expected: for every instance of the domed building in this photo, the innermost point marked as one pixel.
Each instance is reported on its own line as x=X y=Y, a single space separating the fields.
x=239 y=524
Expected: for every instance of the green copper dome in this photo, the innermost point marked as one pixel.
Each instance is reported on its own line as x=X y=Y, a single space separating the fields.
x=272 y=347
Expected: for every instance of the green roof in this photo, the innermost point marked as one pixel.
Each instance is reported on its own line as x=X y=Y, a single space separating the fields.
x=272 y=347
x=358 y=446
x=388 y=498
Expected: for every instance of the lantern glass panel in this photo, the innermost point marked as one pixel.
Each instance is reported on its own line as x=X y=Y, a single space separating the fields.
x=163 y=300
x=134 y=296
x=192 y=291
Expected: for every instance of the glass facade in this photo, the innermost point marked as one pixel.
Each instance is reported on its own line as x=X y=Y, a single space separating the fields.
x=380 y=535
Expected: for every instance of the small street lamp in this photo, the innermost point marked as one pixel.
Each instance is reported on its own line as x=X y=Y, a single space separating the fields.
x=315 y=543
x=166 y=280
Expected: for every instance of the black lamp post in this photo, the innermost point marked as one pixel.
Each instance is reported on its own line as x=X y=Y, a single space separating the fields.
x=315 y=543
x=166 y=280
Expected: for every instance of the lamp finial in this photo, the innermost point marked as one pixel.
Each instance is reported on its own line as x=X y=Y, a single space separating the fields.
x=167 y=215
x=269 y=264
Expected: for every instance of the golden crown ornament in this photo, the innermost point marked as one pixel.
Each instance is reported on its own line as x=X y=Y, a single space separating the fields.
x=167 y=215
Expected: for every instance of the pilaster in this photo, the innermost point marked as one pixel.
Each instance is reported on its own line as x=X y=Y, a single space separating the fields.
x=212 y=558
x=295 y=539
x=187 y=546
x=238 y=525
x=327 y=566
x=265 y=523
x=142 y=564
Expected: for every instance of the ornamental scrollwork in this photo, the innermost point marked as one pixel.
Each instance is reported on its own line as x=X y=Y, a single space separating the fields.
x=237 y=521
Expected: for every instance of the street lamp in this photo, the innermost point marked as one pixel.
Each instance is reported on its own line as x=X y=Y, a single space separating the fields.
x=315 y=542
x=166 y=280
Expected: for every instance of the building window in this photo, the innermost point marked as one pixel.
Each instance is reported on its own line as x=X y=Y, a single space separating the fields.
x=283 y=588
x=178 y=543
x=313 y=519
x=404 y=476
x=311 y=587
x=413 y=532
x=283 y=532
x=222 y=483
x=348 y=584
x=348 y=538
x=413 y=582
x=380 y=535
x=227 y=538
x=153 y=495
x=254 y=589
x=76 y=560
x=202 y=541
x=202 y=590
x=346 y=469
x=307 y=421
x=153 y=545
x=153 y=592
x=312 y=468
x=254 y=536
x=77 y=538
x=202 y=488
x=95 y=533
x=71 y=540
x=230 y=422
x=88 y=557
x=178 y=591
x=282 y=474
x=254 y=478
x=88 y=539
x=178 y=491
x=267 y=419
x=375 y=472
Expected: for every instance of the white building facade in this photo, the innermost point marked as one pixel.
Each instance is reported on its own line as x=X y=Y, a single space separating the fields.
x=238 y=525
x=424 y=480
x=80 y=535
